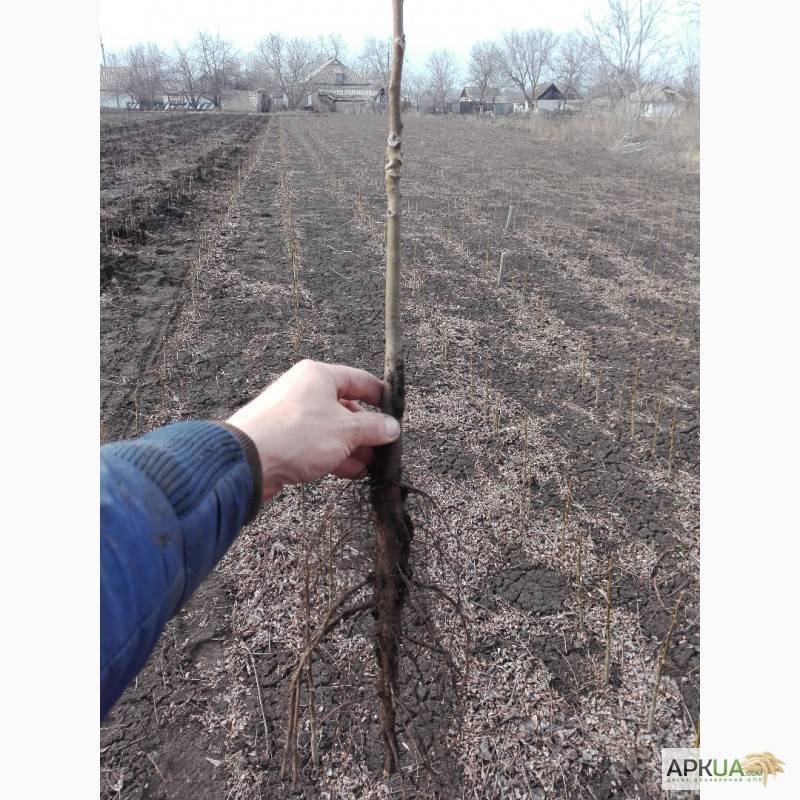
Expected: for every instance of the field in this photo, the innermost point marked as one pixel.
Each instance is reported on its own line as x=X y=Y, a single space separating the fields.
x=552 y=424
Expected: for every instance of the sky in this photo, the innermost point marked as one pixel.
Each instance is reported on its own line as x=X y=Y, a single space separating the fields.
x=429 y=24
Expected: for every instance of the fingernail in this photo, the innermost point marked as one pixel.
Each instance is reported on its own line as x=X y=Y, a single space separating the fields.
x=392 y=426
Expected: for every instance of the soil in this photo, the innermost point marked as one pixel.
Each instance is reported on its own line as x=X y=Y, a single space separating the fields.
x=569 y=370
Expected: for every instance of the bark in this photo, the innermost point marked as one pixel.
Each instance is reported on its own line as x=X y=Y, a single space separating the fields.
x=393 y=528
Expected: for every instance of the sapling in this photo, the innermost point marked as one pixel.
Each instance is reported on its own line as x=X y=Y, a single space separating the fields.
x=678 y=321
x=607 y=664
x=662 y=660
x=163 y=375
x=655 y=427
x=136 y=411
x=672 y=440
x=565 y=516
x=581 y=626
x=634 y=389
x=393 y=529
x=486 y=392
x=525 y=450
x=307 y=634
x=583 y=366
x=500 y=273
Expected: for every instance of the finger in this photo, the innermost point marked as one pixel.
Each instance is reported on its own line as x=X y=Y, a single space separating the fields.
x=352 y=405
x=355 y=384
x=363 y=454
x=351 y=468
x=372 y=429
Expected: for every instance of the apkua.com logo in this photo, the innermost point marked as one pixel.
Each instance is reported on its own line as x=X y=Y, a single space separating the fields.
x=685 y=768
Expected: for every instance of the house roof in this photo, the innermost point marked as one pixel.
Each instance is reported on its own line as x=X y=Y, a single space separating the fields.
x=658 y=94
x=114 y=79
x=510 y=96
x=350 y=93
x=474 y=93
x=326 y=74
x=552 y=92
x=572 y=94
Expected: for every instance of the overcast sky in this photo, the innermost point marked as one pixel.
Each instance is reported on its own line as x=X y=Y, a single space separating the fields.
x=429 y=24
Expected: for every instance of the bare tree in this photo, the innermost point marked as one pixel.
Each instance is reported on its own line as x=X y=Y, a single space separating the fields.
x=525 y=57
x=218 y=61
x=626 y=45
x=374 y=59
x=441 y=69
x=146 y=74
x=572 y=62
x=188 y=74
x=331 y=45
x=114 y=60
x=689 y=50
x=690 y=11
x=484 y=68
x=414 y=89
x=287 y=65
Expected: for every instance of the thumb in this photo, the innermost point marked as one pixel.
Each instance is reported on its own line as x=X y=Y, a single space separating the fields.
x=373 y=429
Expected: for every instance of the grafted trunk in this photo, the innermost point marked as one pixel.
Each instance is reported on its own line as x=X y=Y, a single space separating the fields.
x=393 y=530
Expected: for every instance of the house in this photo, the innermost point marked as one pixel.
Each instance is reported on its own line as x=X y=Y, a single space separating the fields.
x=470 y=102
x=575 y=100
x=510 y=101
x=175 y=99
x=252 y=100
x=657 y=102
x=113 y=94
x=115 y=83
x=452 y=102
x=551 y=100
x=496 y=102
x=335 y=87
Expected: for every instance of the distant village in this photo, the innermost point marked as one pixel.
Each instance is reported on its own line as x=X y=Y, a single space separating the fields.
x=527 y=72
x=334 y=87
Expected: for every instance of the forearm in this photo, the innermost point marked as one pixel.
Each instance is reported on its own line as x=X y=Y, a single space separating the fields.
x=171 y=504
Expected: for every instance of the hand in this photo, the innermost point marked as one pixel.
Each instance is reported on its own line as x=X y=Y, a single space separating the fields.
x=308 y=424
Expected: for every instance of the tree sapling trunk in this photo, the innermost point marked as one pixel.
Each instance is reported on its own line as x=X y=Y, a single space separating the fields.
x=393 y=530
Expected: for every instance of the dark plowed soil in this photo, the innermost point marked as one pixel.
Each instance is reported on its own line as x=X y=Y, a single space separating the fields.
x=162 y=180
x=552 y=408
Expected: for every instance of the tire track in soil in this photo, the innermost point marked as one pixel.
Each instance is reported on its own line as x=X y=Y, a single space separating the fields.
x=142 y=300
x=238 y=339
x=163 y=739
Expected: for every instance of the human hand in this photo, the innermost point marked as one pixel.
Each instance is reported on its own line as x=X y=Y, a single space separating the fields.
x=308 y=424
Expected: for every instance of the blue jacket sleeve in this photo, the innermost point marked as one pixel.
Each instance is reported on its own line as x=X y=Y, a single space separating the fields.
x=171 y=503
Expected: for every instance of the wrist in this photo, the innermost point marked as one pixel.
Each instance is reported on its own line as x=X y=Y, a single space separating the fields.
x=253 y=458
x=272 y=480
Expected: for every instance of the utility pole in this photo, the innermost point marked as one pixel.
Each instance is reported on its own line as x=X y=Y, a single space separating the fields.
x=102 y=49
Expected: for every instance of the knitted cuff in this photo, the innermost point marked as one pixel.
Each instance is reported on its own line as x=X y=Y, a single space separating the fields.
x=254 y=461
